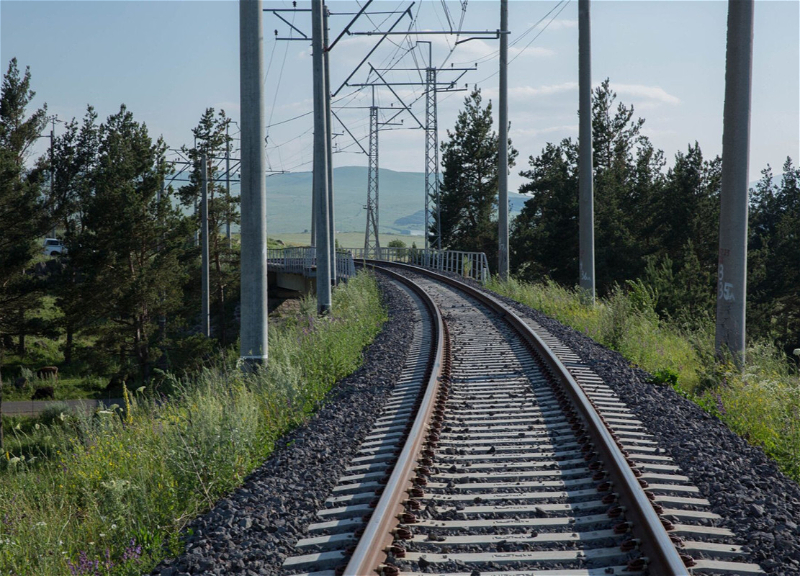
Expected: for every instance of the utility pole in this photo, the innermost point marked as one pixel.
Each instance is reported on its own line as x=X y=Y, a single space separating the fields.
x=227 y=186
x=431 y=153
x=320 y=175
x=52 y=168
x=431 y=83
x=502 y=172
x=196 y=236
x=372 y=243
x=732 y=266
x=329 y=142
x=253 y=331
x=162 y=319
x=585 y=170
x=205 y=304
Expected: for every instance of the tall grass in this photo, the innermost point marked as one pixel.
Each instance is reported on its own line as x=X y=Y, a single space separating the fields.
x=109 y=493
x=762 y=404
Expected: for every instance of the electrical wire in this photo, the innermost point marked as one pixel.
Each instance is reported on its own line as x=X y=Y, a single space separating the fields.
x=565 y=3
x=280 y=76
x=518 y=39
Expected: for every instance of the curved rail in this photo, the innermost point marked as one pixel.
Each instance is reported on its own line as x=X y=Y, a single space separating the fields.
x=370 y=552
x=655 y=543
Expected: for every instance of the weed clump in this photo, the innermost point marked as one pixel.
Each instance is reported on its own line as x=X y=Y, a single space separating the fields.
x=762 y=403
x=109 y=492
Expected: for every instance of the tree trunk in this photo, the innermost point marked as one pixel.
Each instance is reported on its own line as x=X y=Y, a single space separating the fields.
x=21 y=342
x=220 y=290
x=68 y=345
x=141 y=348
x=2 y=441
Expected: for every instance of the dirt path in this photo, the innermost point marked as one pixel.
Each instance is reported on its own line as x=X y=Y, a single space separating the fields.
x=34 y=407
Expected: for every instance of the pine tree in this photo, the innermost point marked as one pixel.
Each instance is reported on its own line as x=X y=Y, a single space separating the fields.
x=129 y=252
x=544 y=240
x=773 y=304
x=75 y=156
x=18 y=133
x=468 y=193
x=211 y=138
x=21 y=212
x=544 y=236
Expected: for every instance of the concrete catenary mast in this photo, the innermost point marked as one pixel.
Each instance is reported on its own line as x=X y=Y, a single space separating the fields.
x=732 y=264
x=253 y=331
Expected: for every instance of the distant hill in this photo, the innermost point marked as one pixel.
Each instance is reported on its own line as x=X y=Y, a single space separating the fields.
x=401 y=201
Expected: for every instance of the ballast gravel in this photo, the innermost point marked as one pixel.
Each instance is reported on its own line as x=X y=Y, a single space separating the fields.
x=756 y=500
x=254 y=529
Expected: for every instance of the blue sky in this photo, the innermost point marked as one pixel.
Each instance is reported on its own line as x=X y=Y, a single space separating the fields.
x=169 y=60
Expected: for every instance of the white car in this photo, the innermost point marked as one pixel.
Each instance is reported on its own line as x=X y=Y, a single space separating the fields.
x=54 y=247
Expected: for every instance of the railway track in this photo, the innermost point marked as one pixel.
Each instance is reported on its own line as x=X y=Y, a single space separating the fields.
x=499 y=452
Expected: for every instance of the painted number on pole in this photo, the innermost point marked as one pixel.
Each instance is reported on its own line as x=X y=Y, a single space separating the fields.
x=724 y=289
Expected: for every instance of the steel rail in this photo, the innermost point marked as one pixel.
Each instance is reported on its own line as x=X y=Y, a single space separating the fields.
x=370 y=553
x=655 y=544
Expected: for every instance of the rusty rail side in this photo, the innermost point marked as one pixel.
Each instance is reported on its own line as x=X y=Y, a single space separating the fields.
x=661 y=554
x=370 y=553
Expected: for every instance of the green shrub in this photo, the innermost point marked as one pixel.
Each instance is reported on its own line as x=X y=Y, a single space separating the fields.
x=119 y=489
x=762 y=404
x=665 y=376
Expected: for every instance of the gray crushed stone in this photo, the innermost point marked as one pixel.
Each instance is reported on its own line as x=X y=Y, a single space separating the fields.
x=757 y=501
x=254 y=529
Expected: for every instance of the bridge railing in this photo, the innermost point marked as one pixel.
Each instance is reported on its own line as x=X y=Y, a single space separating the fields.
x=468 y=264
x=304 y=261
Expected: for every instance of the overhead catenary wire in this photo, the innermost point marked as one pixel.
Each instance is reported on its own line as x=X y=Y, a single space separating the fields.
x=518 y=39
x=278 y=85
x=563 y=4
x=399 y=52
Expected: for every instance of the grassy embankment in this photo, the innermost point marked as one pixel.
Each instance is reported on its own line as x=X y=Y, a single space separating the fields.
x=74 y=382
x=762 y=404
x=77 y=380
x=109 y=493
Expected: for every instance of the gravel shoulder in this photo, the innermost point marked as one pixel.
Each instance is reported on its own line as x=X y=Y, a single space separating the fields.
x=757 y=501
x=252 y=530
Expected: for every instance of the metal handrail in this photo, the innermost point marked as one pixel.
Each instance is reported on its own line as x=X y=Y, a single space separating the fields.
x=472 y=265
x=302 y=260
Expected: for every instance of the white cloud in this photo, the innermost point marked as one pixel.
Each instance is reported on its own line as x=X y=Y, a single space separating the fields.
x=521 y=92
x=560 y=24
x=655 y=132
x=648 y=93
x=513 y=52
x=568 y=128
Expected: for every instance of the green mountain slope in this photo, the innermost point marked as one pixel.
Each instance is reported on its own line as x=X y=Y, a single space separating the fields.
x=401 y=201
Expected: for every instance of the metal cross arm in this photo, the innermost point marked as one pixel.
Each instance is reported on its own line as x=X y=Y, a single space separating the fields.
x=348 y=131
x=383 y=37
x=292 y=26
x=494 y=36
x=341 y=34
x=437 y=69
x=347 y=28
x=396 y=95
x=368 y=107
x=398 y=84
x=496 y=33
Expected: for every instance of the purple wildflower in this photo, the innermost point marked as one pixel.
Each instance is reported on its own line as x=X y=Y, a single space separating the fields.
x=132 y=552
x=84 y=566
x=720 y=405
